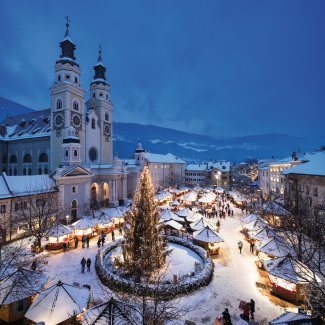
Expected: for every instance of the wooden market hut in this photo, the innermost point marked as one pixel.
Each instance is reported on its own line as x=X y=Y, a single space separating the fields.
x=83 y=227
x=104 y=223
x=208 y=239
x=288 y=276
x=200 y=224
x=275 y=214
x=18 y=288
x=57 y=236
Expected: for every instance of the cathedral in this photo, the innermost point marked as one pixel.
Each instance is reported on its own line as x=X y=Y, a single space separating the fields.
x=71 y=141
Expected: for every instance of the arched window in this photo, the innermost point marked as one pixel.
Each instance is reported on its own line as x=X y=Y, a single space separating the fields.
x=59 y=78
x=29 y=171
x=94 y=95
x=39 y=171
x=46 y=171
x=15 y=171
x=75 y=153
x=43 y=157
x=59 y=103
x=106 y=116
x=13 y=159
x=76 y=106
x=27 y=158
x=92 y=154
x=67 y=153
x=24 y=171
x=93 y=123
x=75 y=80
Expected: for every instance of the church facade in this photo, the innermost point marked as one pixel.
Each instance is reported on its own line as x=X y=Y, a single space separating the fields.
x=71 y=141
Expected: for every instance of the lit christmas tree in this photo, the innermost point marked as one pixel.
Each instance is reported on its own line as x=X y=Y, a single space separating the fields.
x=144 y=249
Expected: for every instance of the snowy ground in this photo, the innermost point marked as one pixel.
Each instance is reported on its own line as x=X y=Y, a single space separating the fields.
x=234 y=278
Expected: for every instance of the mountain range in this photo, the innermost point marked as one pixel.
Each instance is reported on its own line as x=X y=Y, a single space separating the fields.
x=190 y=146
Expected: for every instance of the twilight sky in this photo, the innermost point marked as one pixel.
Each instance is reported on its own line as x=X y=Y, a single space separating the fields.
x=204 y=66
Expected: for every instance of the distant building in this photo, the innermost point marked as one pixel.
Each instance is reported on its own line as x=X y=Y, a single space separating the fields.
x=305 y=184
x=215 y=173
x=166 y=170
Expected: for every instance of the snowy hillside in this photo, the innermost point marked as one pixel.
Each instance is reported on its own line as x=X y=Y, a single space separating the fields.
x=8 y=107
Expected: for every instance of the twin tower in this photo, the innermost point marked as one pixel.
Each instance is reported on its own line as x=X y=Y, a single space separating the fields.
x=81 y=132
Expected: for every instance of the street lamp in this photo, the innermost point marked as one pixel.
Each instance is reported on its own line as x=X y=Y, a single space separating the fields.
x=67 y=216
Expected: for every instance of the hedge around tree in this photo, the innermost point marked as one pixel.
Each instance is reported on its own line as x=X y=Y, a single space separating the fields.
x=166 y=290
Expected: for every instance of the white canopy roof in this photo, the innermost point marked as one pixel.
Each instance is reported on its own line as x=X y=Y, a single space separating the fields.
x=83 y=223
x=207 y=235
x=114 y=212
x=190 y=196
x=103 y=219
x=287 y=318
x=59 y=230
x=185 y=213
x=167 y=215
x=275 y=208
x=201 y=223
x=58 y=303
x=264 y=234
x=255 y=225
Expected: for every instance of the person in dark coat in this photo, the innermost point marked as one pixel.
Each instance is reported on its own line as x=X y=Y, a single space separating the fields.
x=99 y=242
x=120 y=230
x=251 y=247
x=113 y=235
x=240 y=245
x=226 y=317
x=87 y=240
x=64 y=247
x=88 y=264
x=252 y=305
x=103 y=240
x=76 y=242
x=83 y=264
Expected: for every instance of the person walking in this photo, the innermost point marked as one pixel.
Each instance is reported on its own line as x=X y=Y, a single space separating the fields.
x=83 y=264
x=252 y=307
x=64 y=246
x=103 y=240
x=113 y=235
x=246 y=311
x=83 y=241
x=76 y=241
x=226 y=317
x=87 y=240
x=251 y=247
x=240 y=245
x=99 y=242
x=88 y=264
x=120 y=231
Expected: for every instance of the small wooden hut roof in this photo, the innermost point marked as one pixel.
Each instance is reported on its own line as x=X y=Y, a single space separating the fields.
x=207 y=235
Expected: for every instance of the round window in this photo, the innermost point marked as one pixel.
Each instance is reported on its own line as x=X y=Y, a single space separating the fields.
x=93 y=154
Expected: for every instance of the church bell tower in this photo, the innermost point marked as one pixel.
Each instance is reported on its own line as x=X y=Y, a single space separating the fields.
x=67 y=101
x=101 y=105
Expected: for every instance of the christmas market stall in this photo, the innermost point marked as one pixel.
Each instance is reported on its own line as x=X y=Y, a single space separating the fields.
x=167 y=215
x=57 y=236
x=18 y=288
x=116 y=214
x=208 y=239
x=201 y=223
x=104 y=223
x=275 y=214
x=83 y=227
x=288 y=277
x=273 y=247
x=59 y=303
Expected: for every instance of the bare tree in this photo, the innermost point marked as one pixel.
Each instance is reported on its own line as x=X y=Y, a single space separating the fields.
x=250 y=172
x=39 y=210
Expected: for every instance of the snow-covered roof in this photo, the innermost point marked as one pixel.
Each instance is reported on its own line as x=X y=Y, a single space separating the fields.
x=289 y=269
x=315 y=166
x=103 y=219
x=255 y=225
x=164 y=195
x=276 y=246
x=58 y=303
x=201 y=223
x=83 y=223
x=207 y=235
x=174 y=224
x=190 y=197
x=25 y=126
x=175 y=203
x=196 y=167
x=185 y=213
x=114 y=212
x=250 y=218
x=104 y=312
x=18 y=284
x=167 y=215
x=293 y=318
x=59 y=230
x=11 y=186
x=164 y=159
x=222 y=165
x=263 y=234
x=274 y=208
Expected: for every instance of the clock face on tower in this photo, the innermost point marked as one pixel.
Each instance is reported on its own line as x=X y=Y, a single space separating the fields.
x=76 y=121
x=58 y=120
x=107 y=130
